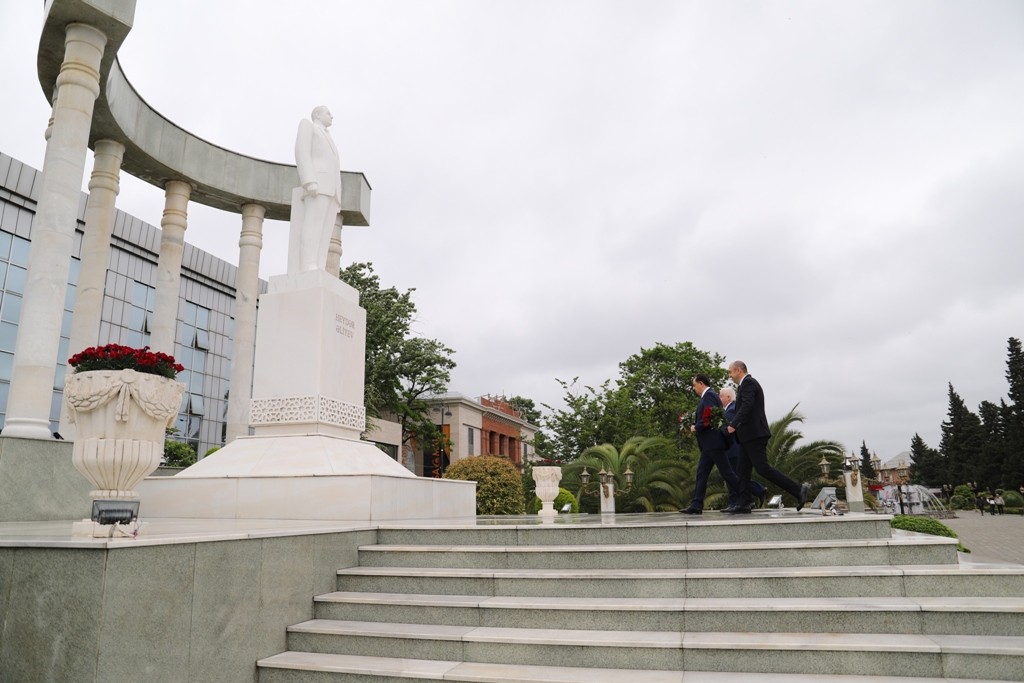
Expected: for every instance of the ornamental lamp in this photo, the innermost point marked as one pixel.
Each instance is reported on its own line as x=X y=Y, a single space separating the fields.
x=824 y=466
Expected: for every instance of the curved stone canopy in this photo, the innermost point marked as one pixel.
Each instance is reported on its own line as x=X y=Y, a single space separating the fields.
x=156 y=149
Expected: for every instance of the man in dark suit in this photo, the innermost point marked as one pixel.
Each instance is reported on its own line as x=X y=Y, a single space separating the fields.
x=732 y=453
x=750 y=425
x=712 y=444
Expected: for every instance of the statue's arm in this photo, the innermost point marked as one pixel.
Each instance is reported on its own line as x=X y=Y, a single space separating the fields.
x=304 y=156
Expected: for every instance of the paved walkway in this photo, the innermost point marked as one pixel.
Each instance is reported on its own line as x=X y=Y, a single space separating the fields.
x=994 y=539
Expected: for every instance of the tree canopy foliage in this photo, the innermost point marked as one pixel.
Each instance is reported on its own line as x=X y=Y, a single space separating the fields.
x=650 y=393
x=401 y=368
x=986 y=447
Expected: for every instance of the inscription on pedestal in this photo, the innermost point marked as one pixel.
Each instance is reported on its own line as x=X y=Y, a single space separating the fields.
x=344 y=326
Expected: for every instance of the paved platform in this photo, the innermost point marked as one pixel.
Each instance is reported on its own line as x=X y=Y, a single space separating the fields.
x=993 y=539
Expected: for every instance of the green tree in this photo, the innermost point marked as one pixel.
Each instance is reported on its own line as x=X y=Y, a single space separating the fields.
x=662 y=480
x=527 y=409
x=962 y=436
x=989 y=467
x=867 y=470
x=656 y=383
x=1013 y=416
x=799 y=462
x=401 y=369
x=651 y=392
x=930 y=466
x=574 y=428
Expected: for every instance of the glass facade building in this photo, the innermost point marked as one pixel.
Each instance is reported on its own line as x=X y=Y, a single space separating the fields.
x=206 y=302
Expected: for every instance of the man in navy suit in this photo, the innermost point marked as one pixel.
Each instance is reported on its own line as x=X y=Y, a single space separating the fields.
x=750 y=425
x=712 y=447
x=728 y=397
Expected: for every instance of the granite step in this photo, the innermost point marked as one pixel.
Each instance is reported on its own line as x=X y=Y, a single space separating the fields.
x=994 y=616
x=775 y=582
x=963 y=656
x=308 y=667
x=906 y=549
x=763 y=525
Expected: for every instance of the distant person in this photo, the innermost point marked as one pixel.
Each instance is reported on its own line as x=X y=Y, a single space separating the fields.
x=750 y=425
x=313 y=216
x=713 y=444
x=728 y=397
x=980 y=502
x=1000 y=503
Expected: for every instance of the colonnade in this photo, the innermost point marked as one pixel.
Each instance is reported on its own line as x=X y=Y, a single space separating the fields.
x=37 y=345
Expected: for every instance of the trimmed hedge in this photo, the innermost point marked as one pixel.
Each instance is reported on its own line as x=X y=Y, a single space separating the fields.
x=926 y=525
x=499 y=487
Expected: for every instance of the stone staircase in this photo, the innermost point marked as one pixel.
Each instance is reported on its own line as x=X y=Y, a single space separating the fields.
x=772 y=597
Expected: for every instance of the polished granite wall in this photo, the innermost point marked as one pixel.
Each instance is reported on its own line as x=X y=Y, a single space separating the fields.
x=39 y=483
x=185 y=612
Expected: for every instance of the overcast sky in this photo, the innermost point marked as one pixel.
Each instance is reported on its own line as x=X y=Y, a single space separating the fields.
x=830 y=191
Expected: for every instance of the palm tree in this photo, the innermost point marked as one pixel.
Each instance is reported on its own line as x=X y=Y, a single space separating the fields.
x=661 y=478
x=800 y=463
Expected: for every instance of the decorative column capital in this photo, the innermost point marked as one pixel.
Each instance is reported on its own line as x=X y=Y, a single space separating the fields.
x=106 y=170
x=83 y=46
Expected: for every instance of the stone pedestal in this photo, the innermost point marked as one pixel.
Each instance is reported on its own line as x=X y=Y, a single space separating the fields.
x=854 y=492
x=306 y=459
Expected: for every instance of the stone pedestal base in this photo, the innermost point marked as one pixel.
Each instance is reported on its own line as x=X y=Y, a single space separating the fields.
x=311 y=476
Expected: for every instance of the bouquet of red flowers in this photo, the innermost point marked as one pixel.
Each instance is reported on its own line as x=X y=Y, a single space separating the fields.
x=117 y=357
x=713 y=417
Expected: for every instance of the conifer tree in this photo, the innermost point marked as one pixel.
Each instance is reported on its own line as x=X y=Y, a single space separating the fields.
x=961 y=442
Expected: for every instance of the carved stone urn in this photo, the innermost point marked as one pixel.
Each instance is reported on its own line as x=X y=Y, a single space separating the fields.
x=121 y=418
x=547 y=479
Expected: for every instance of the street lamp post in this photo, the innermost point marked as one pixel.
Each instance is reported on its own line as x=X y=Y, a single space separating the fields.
x=439 y=460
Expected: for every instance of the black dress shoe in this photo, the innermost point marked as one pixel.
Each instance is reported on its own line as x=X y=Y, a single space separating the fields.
x=802 y=498
x=740 y=510
x=692 y=511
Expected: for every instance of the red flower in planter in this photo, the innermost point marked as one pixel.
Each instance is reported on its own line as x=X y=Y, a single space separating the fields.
x=117 y=357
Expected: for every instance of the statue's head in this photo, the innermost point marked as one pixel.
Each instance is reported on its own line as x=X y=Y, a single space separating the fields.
x=322 y=115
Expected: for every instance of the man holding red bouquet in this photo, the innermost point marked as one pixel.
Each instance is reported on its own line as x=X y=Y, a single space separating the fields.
x=713 y=445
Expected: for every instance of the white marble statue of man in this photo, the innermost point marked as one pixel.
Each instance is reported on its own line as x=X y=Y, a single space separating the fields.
x=315 y=204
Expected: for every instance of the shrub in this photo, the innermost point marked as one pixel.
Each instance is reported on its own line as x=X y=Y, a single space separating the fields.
x=178 y=454
x=961 y=503
x=926 y=525
x=1013 y=499
x=499 y=488
x=564 y=496
x=212 y=449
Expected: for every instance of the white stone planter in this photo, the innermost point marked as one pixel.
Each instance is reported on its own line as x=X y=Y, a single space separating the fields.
x=547 y=479
x=121 y=417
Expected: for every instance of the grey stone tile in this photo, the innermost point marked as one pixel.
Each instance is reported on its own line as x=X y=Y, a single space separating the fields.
x=996 y=667
x=337 y=551
x=827 y=662
x=670 y=658
x=410 y=648
x=50 y=632
x=6 y=577
x=225 y=605
x=604 y=620
x=450 y=616
x=287 y=585
x=417 y=584
x=147 y=599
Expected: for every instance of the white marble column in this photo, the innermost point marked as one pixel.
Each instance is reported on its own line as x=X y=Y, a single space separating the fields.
x=168 y=269
x=38 y=342
x=100 y=209
x=244 y=343
x=334 y=248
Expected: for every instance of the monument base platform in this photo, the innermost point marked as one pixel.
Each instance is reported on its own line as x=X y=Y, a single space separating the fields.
x=309 y=476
